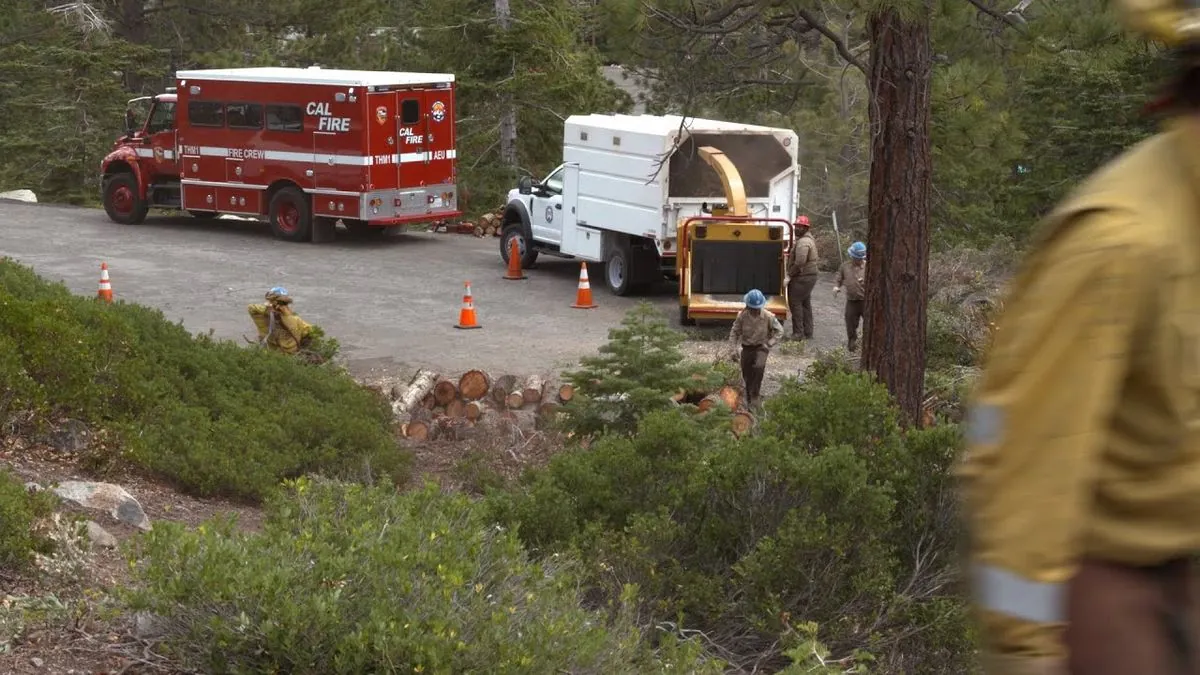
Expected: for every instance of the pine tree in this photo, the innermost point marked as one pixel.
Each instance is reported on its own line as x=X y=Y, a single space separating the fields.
x=636 y=372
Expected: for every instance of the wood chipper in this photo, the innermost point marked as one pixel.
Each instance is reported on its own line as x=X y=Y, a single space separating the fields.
x=723 y=255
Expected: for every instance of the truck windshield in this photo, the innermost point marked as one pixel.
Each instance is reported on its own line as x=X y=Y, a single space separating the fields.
x=162 y=118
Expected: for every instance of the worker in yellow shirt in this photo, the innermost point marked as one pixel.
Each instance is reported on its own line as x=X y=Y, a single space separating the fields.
x=279 y=327
x=1081 y=480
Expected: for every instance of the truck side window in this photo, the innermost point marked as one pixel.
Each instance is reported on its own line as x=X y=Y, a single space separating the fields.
x=206 y=114
x=554 y=182
x=162 y=119
x=244 y=115
x=285 y=118
x=410 y=112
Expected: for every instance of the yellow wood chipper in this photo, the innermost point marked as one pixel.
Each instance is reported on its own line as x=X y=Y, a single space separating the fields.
x=723 y=255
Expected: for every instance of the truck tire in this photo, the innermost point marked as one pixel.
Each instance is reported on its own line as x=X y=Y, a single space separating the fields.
x=291 y=217
x=529 y=254
x=122 y=202
x=617 y=271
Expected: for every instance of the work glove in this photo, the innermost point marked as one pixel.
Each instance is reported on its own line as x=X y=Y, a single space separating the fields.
x=733 y=354
x=1006 y=664
x=837 y=289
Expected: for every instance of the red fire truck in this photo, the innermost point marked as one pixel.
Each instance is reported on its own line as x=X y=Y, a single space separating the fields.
x=302 y=147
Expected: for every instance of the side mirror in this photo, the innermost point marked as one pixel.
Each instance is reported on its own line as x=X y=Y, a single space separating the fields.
x=525 y=185
x=130 y=121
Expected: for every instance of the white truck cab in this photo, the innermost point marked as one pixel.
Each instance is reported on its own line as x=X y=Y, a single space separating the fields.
x=627 y=181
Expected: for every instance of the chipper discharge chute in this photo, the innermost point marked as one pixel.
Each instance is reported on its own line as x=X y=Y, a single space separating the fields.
x=722 y=256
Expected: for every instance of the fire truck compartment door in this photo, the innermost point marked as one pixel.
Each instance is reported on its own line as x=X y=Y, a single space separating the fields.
x=233 y=170
x=325 y=160
x=412 y=127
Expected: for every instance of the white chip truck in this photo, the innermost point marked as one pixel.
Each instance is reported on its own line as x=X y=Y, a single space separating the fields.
x=628 y=181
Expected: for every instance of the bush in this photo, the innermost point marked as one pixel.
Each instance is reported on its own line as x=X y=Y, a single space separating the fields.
x=216 y=417
x=352 y=579
x=832 y=514
x=21 y=516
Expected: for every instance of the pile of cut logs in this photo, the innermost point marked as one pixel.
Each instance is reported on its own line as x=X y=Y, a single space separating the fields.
x=727 y=396
x=434 y=407
x=487 y=226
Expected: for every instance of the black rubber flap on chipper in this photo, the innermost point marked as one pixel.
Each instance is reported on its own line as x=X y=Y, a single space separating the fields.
x=734 y=267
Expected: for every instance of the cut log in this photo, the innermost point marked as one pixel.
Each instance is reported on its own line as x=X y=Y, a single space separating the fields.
x=444 y=392
x=549 y=405
x=474 y=410
x=420 y=425
x=566 y=392
x=417 y=390
x=729 y=396
x=515 y=400
x=742 y=422
x=533 y=389
x=501 y=388
x=474 y=385
x=709 y=402
x=457 y=408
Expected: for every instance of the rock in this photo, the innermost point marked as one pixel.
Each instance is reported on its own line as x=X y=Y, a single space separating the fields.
x=37 y=663
x=33 y=487
x=20 y=196
x=72 y=436
x=105 y=497
x=100 y=536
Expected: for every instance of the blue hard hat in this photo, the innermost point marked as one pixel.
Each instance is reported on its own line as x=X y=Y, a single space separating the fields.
x=755 y=299
x=278 y=290
x=857 y=250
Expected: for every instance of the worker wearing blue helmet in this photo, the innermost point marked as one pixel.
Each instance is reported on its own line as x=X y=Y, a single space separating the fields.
x=755 y=332
x=851 y=277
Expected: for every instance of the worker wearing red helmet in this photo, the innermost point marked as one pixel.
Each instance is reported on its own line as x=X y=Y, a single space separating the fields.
x=802 y=271
x=1082 y=472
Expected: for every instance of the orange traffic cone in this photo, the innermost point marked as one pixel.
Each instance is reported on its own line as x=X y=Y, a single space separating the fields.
x=105 y=292
x=514 y=261
x=466 y=318
x=583 y=297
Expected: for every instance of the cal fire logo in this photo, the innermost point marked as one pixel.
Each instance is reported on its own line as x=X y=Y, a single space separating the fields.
x=326 y=121
x=439 y=111
x=381 y=114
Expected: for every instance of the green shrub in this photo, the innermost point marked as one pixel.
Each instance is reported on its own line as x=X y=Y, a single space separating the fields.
x=216 y=417
x=353 y=579
x=832 y=514
x=20 y=514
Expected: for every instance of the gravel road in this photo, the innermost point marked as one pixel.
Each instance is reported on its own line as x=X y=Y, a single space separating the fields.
x=392 y=302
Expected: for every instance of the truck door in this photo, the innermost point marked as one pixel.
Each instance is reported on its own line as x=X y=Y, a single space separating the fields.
x=325 y=154
x=439 y=127
x=546 y=208
x=411 y=131
x=162 y=137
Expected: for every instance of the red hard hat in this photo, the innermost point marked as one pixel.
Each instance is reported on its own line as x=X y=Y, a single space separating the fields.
x=802 y=221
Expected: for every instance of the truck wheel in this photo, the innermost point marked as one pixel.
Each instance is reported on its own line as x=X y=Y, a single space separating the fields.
x=529 y=254
x=291 y=218
x=122 y=202
x=617 y=271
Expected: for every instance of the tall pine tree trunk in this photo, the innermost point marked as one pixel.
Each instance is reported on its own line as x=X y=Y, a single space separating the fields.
x=508 y=111
x=897 y=268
